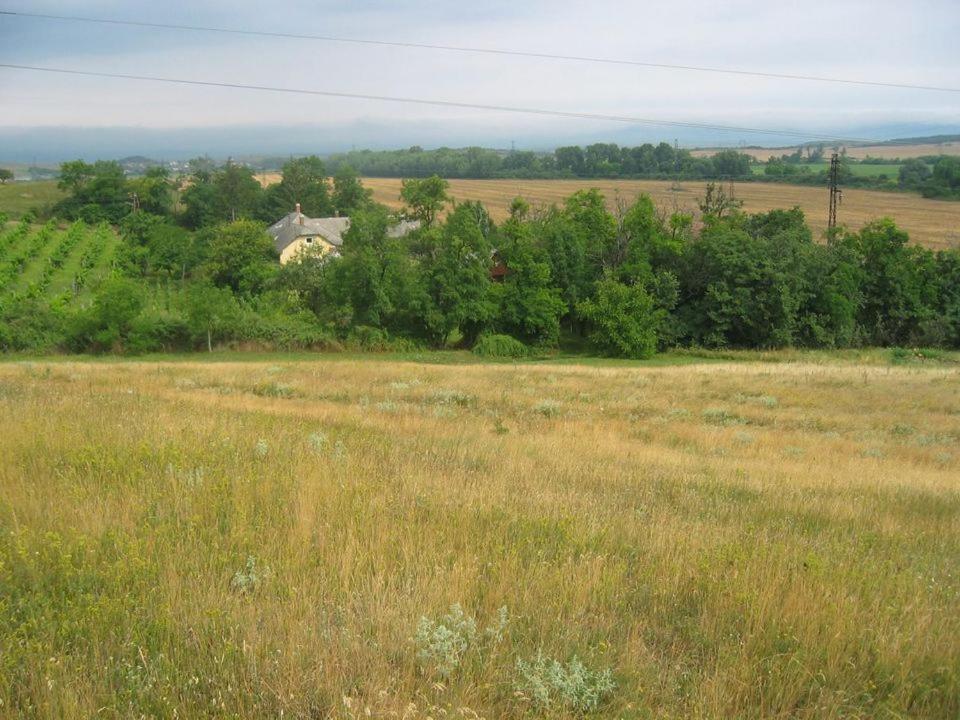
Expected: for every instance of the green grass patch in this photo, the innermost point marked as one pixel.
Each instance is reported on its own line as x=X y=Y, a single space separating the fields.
x=19 y=198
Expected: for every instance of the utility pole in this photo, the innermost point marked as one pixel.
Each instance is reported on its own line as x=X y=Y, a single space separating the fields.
x=836 y=194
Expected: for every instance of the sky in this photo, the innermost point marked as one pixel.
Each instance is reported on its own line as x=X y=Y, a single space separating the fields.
x=881 y=40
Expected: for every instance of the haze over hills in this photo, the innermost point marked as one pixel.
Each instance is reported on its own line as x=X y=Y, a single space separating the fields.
x=47 y=145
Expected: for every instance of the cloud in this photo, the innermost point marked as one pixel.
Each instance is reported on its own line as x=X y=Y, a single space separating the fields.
x=879 y=39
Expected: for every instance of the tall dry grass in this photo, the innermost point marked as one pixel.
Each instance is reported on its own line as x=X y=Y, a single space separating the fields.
x=261 y=540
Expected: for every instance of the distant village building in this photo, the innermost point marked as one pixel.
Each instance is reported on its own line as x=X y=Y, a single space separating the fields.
x=296 y=233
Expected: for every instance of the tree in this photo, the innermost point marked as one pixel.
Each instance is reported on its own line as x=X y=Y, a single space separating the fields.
x=731 y=164
x=96 y=193
x=237 y=193
x=716 y=203
x=372 y=282
x=305 y=182
x=528 y=306
x=5 y=175
x=154 y=191
x=349 y=195
x=945 y=179
x=241 y=256
x=107 y=323
x=899 y=284
x=425 y=198
x=210 y=310
x=732 y=292
x=456 y=276
x=570 y=159
x=622 y=319
x=172 y=250
x=597 y=228
x=913 y=173
x=200 y=201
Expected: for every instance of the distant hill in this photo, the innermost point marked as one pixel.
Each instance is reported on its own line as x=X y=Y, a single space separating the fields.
x=928 y=140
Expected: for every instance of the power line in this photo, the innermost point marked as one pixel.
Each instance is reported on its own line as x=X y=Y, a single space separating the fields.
x=441 y=103
x=489 y=51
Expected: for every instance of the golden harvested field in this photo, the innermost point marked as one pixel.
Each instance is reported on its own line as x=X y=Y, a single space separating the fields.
x=287 y=538
x=890 y=152
x=934 y=223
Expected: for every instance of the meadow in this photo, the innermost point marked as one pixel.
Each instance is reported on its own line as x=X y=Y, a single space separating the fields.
x=933 y=223
x=322 y=536
x=17 y=198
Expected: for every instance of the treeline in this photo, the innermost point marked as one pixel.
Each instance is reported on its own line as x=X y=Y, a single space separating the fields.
x=210 y=194
x=600 y=160
x=935 y=176
x=626 y=282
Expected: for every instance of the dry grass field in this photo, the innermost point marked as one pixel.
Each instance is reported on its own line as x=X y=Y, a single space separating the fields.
x=934 y=223
x=286 y=539
x=889 y=152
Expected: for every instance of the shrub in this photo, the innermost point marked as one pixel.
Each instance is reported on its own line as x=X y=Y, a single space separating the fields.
x=571 y=686
x=500 y=346
x=623 y=319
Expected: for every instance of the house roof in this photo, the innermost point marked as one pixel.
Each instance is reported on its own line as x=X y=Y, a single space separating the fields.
x=296 y=225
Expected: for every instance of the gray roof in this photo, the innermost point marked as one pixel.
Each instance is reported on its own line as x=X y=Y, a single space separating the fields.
x=296 y=225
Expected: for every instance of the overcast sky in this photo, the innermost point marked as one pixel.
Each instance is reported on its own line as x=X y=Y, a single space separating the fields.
x=885 y=40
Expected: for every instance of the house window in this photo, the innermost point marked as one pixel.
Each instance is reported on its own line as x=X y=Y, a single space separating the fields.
x=309 y=241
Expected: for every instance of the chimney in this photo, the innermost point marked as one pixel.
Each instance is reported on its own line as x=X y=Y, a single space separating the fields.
x=299 y=214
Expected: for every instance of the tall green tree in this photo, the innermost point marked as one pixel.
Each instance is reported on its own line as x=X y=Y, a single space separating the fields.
x=96 y=192
x=899 y=284
x=154 y=191
x=304 y=181
x=371 y=283
x=199 y=200
x=455 y=270
x=529 y=307
x=210 y=311
x=425 y=198
x=241 y=256
x=349 y=195
x=237 y=193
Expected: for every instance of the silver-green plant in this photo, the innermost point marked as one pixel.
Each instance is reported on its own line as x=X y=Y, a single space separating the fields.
x=567 y=686
x=442 y=644
x=248 y=580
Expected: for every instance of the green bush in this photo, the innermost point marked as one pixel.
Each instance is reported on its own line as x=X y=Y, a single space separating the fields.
x=500 y=346
x=623 y=318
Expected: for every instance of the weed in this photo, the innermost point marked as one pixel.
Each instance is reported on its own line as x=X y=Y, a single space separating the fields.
x=452 y=397
x=902 y=430
x=317 y=441
x=247 y=581
x=261 y=449
x=721 y=416
x=548 y=408
x=273 y=390
x=570 y=686
x=441 y=644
